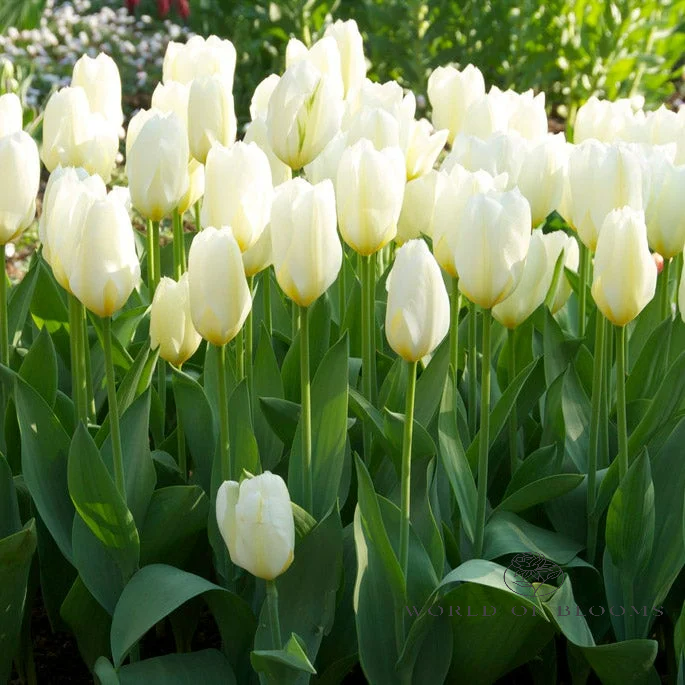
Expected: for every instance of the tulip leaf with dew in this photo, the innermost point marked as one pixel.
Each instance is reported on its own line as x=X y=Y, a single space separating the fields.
x=16 y=555
x=44 y=457
x=157 y=590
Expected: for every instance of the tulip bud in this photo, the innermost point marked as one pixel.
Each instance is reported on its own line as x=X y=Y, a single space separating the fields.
x=542 y=175
x=211 y=116
x=238 y=191
x=219 y=295
x=20 y=166
x=69 y=195
x=257 y=133
x=492 y=246
x=172 y=97
x=305 y=248
x=601 y=178
x=417 y=317
x=624 y=279
x=451 y=92
x=351 y=48
x=97 y=154
x=157 y=166
x=196 y=186
x=171 y=326
x=258 y=257
x=536 y=279
x=259 y=104
x=11 y=116
x=375 y=124
x=199 y=58
x=528 y=116
x=256 y=522
x=665 y=213
x=324 y=55
x=603 y=120
x=370 y=188
x=303 y=115
x=421 y=197
x=421 y=146
x=106 y=268
x=448 y=222
x=99 y=77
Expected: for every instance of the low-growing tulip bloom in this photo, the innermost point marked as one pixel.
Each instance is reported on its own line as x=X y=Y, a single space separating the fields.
x=172 y=97
x=11 y=116
x=20 y=166
x=351 y=48
x=106 y=268
x=602 y=178
x=238 y=191
x=69 y=195
x=219 y=295
x=304 y=113
x=255 y=520
x=532 y=289
x=421 y=146
x=665 y=213
x=492 y=246
x=157 y=166
x=257 y=133
x=196 y=186
x=417 y=317
x=99 y=77
x=259 y=104
x=624 y=280
x=306 y=250
x=421 y=197
x=199 y=57
x=258 y=257
x=369 y=189
x=451 y=92
x=326 y=164
x=171 y=325
x=211 y=116
x=603 y=120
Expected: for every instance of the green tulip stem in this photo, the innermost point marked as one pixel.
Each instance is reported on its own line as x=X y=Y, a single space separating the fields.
x=266 y=285
x=157 y=259
x=118 y=459
x=249 y=334
x=455 y=307
x=372 y=327
x=678 y=266
x=473 y=370
x=150 y=249
x=226 y=470
x=198 y=223
x=622 y=423
x=240 y=355
x=78 y=370
x=513 y=421
x=161 y=388
x=342 y=292
x=484 y=436
x=4 y=327
x=593 y=448
x=583 y=272
x=272 y=601
x=90 y=394
x=608 y=364
x=368 y=346
x=306 y=408
x=405 y=503
x=181 y=443
x=294 y=325
x=665 y=301
x=179 y=246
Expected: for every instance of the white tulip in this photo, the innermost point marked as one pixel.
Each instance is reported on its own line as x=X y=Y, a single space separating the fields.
x=199 y=58
x=421 y=197
x=172 y=97
x=258 y=133
x=99 y=77
x=351 y=48
x=11 y=115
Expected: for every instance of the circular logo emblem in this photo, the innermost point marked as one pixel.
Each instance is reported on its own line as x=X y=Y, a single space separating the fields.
x=532 y=575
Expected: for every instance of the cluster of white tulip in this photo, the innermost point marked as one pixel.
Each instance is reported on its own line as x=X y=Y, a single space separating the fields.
x=367 y=173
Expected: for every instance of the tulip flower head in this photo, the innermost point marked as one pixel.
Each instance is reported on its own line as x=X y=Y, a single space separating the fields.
x=99 y=77
x=417 y=317
x=171 y=325
x=255 y=519
x=305 y=247
x=199 y=57
x=11 y=116
x=624 y=280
